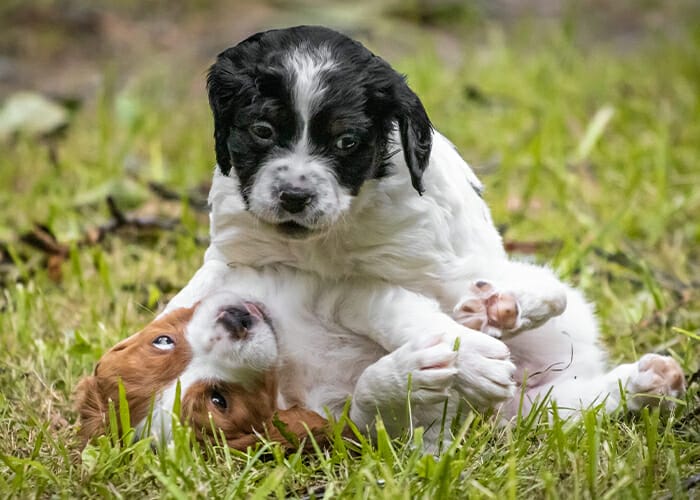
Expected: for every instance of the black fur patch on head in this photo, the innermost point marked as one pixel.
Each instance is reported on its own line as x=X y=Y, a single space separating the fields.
x=362 y=99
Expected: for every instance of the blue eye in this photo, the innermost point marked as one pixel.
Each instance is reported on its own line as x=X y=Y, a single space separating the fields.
x=346 y=142
x=163 y=342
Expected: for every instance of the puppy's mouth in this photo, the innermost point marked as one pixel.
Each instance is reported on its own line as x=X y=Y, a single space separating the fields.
x=259 y=311
x=293 y=229
x=297 y=228
x=256 y=310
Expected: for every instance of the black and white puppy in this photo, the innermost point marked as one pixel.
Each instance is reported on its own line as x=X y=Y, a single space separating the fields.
x=329 y=169
x=302 y=132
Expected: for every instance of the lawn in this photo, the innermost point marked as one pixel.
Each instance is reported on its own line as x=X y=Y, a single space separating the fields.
x=589 y=144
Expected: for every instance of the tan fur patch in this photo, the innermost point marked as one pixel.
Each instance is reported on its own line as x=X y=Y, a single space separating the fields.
x=146 y=370
x=143 y=369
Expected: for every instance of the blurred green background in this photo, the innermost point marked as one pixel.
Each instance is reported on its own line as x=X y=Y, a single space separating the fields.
x=582 y=118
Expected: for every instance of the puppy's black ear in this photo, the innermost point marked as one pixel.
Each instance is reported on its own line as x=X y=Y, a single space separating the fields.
x=229 y=83
x=223 y=85
x=233 y=82
x=416 y=133
x=392 y=95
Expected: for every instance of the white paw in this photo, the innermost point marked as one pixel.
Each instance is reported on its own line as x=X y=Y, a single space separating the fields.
x=495 y=312
x=657 y=376
x=432 y=365
x=485 y=375
x=426 y=367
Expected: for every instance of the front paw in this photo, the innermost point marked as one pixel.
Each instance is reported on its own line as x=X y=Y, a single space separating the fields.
x=657 y=377
x=485 y=376
x=496 y=312
x=422 y=371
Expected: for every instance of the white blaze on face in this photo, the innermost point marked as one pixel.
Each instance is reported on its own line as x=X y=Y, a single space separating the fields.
x=308 y=65
x=298 y=167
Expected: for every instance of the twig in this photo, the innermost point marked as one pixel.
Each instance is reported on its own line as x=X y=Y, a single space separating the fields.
x=197 y=203
x=624 y=260
x=43 y=239
x=115 y=211
x=121 y=220
x=531 y=247
x=687 y=418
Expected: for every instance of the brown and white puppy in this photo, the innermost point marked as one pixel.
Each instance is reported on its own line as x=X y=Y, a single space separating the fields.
x=223 y=350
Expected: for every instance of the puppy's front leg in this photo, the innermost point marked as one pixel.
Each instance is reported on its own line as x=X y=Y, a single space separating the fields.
x=212 y=276
x=393 y=316
x=420 y=373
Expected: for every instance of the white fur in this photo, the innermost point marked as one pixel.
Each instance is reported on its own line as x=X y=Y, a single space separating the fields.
x=305 y=64
x=356 y=303
x=301 y=170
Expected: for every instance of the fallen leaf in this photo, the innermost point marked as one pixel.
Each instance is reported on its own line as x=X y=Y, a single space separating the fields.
x=32 y=114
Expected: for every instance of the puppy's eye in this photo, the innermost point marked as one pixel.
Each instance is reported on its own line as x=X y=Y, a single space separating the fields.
x=262 y=130
x=163 y=342
x=346 y=142
x=218 y=400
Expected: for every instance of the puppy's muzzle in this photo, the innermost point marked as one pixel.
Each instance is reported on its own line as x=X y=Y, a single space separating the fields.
x=294 y=200
x=239 y=320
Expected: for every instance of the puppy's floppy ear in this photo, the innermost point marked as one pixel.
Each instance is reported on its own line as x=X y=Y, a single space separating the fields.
x=224 y=85
x=416 y=133
x=89 y=403
x=289 y=428
x=397 y=100
x=232 y=80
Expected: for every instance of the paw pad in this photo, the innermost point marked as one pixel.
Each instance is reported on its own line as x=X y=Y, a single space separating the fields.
x=666 y=369
x=502 y=309
x=487 y=308
x=657 y=376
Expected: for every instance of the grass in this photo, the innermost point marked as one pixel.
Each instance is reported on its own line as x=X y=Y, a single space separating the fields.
x=590 y=156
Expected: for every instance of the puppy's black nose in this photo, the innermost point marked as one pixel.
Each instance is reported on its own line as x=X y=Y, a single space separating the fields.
x=237 y=321
x=294 y=200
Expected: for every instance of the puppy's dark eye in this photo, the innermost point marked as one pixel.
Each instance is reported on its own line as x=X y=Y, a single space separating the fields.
x=262 y=130
x=346 y=142
x=164 y=342
x=218 y=400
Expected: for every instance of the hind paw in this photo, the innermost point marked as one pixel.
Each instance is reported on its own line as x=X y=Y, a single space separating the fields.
x=658 y=379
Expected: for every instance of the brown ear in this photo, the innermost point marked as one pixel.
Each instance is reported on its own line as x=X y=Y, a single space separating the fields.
x=242 y=443
x=289 y=428
x=91 y=409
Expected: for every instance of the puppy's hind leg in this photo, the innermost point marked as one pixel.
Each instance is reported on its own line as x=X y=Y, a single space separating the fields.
x=652 y=381
x=563 y=349
x=510 y=297
x=562 y=358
